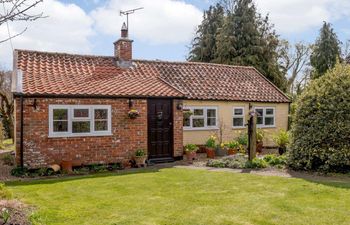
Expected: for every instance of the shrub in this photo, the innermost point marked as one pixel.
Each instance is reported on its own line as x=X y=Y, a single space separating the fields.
x=191 y=148
x=274 y=160
x=321 y=129
x=256 y=163
x=243 y=139
x=281 y=139
x=18 y=172
x=218 y=163
x=233 y=145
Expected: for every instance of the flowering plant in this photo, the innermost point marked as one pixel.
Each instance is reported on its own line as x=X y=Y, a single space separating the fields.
x=211 y=142
x=133 y=113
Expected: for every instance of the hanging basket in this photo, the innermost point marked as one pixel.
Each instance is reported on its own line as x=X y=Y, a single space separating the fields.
x=133 y=114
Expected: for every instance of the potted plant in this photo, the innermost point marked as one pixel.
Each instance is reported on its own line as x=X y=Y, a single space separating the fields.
x=259 y=140
x=221 y=150
x=190 y=150
x=133 y=113
x=281 y=139
x=233 y=147
x=140 y=157
x=210 y=147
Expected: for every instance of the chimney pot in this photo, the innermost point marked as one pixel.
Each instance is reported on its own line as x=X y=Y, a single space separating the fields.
x=123 y=48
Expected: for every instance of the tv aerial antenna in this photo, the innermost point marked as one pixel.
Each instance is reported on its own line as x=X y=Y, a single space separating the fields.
x=126 y=13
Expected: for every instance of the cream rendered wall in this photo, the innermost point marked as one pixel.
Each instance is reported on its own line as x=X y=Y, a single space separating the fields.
x=225 y=113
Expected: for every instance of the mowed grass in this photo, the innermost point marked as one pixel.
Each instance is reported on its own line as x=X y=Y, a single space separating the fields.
x=184 y=196
x=8 y=144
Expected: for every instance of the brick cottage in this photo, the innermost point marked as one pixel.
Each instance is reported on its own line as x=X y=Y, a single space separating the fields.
x=76 y=107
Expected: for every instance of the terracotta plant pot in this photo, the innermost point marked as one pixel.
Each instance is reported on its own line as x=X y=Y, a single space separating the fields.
x=67 y=166
x=259 y=147
x=231 y=151
x=210 y=153
x=141 y=160
x=191 y=156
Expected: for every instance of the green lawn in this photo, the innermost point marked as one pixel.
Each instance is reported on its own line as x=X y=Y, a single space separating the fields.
x=184 y=196
x=8 y=144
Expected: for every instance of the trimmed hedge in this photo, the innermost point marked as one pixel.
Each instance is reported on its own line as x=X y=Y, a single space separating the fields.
x=321 y=129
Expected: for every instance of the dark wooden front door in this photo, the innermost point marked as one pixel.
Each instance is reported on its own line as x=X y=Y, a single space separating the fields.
x=160 y=128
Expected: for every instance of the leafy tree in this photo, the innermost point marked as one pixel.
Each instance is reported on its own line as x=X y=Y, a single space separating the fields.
x=326 y=51
x=204 y=44
x=321 y=129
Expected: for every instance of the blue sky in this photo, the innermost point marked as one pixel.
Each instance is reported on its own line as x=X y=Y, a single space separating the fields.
x=162 y=30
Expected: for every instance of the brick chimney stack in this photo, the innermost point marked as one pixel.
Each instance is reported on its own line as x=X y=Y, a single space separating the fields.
x=123 y=48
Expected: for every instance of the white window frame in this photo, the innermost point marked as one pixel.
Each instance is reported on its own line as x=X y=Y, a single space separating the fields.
x=264 y=116
x=205 y=117
x=72 y=119
x=238 y=116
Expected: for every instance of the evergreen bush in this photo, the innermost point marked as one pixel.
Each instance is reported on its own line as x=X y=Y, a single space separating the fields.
x=321 y=129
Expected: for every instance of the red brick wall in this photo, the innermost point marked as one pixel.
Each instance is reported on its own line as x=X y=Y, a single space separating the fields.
x=128 y=135
x=178 y=129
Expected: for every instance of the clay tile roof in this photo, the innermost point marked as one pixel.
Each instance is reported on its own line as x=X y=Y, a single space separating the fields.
x=67 y=74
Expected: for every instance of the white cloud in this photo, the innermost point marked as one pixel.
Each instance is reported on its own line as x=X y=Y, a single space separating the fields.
x=66 y=29
x=295 y=16
x=160 y=22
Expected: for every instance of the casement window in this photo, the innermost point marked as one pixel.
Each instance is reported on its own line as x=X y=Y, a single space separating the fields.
x=238 y=117
x=201 y=118
x=79 y=120
x=265 y=116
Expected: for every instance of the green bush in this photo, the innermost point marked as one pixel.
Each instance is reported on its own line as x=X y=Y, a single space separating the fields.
x=274 y=160
x=256 y=163
x=218 y=163
x=321 y=129
x=191 y=148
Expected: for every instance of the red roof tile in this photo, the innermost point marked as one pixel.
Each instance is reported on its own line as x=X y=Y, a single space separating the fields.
x=67 y=74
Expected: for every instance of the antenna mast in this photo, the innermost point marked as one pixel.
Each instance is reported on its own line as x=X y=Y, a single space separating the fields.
x=127 y=12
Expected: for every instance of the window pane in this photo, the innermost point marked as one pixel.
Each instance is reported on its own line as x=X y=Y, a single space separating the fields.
x=238 y=112
x=269 y=121
x=211 y=113
x=101 y=114
x=269 y=111
x=198 y=112
x=60 y=126
x=260 y=112
x=60 y=114
x=238 y=122
x=101 y=125
x=81 y=127
x=187 y=121
x=81 y=113
x=259 y=120
x=198 y=122
x=211 y=121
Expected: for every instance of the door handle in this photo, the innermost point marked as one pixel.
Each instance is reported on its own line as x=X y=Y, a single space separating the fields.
x=170 y=123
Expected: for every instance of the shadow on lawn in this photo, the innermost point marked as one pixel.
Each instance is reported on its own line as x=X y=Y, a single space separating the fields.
x=338 y=180
x=53 y=180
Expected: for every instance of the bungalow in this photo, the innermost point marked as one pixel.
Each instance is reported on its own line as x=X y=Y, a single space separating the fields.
x=99 y=109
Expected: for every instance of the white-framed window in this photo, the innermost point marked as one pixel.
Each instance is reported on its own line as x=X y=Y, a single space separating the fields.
x=201 y=118
x=79 y=120
x=265 y=116
x=238 y=117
